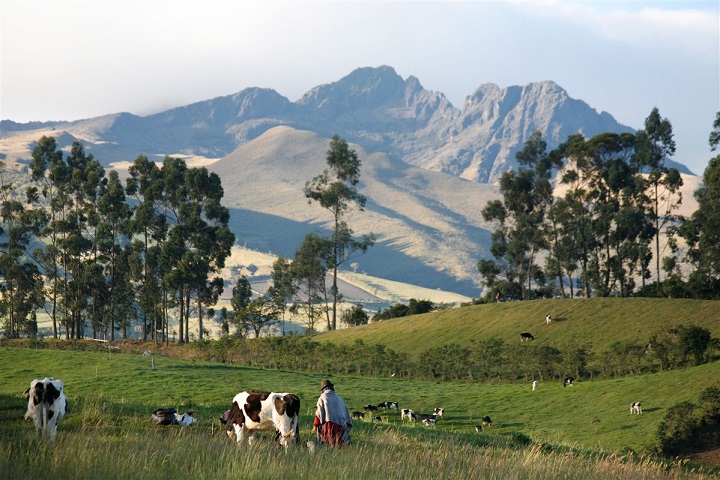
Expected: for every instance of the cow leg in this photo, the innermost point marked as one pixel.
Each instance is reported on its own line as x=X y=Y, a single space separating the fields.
x=239 y=431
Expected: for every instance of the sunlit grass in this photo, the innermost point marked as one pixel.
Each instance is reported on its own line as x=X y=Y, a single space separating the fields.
x=554 y=432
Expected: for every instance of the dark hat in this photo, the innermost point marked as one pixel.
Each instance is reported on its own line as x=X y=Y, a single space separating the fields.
x=325 y=384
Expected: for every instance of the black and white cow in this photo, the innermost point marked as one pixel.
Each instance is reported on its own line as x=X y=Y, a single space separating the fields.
x=370 y=408
x=358 y=415
x=486 y=421
x=407 y=413
x=388 y=405
x=548 y=319
x=429 y=422
x=526 y=336
x=439 y=412
x=427 y=416
x=568 y=382
x=635 y=408
x=252 y=411
x=47 y=405
x=169 y=416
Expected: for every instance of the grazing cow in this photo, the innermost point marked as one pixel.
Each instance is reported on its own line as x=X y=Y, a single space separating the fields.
x=635 y=408
x=478 y=428
x=252 y=411
x=169 y=416
x=486 y=421
x=526 y=336
x=224 y=417
x=429 y=422
x=548 y=319
x=568 y=382
x=358 y=415
x=439 y=412
x=427 y=416
x=47 y=405
x=390 y=405
x=535 y=385
x=369 y=408
x=407 y=413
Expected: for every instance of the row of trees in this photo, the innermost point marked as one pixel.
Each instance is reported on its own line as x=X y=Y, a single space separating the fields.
x=105 y=255
x=110 y=254
x=492 y=359
x=601 y=227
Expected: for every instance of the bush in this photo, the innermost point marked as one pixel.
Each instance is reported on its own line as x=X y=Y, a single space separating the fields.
x=678 y=429
x=688 y=427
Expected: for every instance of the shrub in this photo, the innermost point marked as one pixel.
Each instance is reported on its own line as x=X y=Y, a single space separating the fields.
x=678 y=429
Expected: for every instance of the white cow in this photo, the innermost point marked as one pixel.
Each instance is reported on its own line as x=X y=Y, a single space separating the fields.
x=252 y=411
x=635 y=408
x=169 y=416
x=407 y=413
x=535 y=385
x=47 y=405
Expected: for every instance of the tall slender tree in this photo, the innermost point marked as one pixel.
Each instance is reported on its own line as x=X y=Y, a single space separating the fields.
x=335 y=190
x=702 y=230
x=655 y=145
x=50 y=174
x=282 y=290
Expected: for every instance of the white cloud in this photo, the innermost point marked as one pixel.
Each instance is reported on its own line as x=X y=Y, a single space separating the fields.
x=641 y=24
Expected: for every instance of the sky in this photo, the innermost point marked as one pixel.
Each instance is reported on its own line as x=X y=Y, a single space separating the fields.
x=76 y=59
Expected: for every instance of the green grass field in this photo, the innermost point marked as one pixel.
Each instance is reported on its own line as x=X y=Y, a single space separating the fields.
x=579 y=432
x=111 y=397
x=598 y=322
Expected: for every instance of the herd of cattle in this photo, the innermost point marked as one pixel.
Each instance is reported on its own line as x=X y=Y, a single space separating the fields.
x=250 y=411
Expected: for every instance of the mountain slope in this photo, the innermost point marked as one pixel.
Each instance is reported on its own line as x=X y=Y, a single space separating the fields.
x=427 y=224
x=372 y=107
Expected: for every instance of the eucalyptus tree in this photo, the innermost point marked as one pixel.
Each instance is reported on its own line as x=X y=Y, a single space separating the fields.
x=702 y=230
x=655 y=145
x=86 y=177
x=335 y=190
x=241 y=298
x=714 y=137
x=50 y=174
x=149 y=229
x=309 y=269
x=21 y=290
x=259 y=313
x=521 y=234
x=282 y=290
x=112 y=226
x=191 y=234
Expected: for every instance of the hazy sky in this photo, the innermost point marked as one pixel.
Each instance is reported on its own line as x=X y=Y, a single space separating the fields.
x=74 y=59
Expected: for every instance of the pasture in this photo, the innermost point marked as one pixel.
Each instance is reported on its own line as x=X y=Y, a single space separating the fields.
x=598 y=322
x=554 y=432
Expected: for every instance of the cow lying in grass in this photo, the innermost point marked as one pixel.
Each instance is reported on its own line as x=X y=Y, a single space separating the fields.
x=169 y=416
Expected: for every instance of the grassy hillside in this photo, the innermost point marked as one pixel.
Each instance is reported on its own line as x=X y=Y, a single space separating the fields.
x=598 y=322
x=590 y=415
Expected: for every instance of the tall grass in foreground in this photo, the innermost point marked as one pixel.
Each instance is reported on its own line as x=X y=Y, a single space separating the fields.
x=183 y=454
x=379 y=452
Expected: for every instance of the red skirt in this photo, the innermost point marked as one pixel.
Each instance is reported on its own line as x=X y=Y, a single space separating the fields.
x=331 y=433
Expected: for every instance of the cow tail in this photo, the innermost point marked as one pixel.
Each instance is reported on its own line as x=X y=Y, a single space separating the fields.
x=44 y=417
x=296 y=420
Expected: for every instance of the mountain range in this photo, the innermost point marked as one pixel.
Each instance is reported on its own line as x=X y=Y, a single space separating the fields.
x=428 y=167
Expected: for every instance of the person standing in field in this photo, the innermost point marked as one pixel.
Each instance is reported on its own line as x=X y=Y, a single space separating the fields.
x=332 y=419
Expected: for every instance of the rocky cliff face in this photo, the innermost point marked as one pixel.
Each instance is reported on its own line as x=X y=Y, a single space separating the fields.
x=372 y=107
